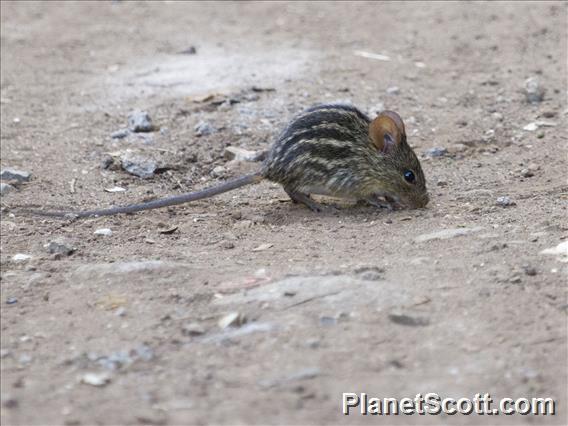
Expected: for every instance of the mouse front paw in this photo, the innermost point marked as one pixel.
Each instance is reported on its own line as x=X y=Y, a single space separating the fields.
x=384 y=203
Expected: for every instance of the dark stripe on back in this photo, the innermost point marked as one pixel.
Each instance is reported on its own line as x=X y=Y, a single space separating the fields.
x=342 y=115
x=343 y=107
x=322 y=150
x=310 y=133
x=321 y=169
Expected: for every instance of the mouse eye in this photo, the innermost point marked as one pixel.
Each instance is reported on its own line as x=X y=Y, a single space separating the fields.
x=409 y=176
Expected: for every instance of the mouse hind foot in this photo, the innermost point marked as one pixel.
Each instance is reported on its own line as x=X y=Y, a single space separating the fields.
x=300 y=197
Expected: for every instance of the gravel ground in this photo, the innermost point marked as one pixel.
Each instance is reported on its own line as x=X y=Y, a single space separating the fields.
x=246 y=308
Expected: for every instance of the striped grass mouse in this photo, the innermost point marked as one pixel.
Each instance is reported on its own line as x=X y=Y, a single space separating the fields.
x=329 y=149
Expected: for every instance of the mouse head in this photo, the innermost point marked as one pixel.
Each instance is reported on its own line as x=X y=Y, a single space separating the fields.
x=398 y=169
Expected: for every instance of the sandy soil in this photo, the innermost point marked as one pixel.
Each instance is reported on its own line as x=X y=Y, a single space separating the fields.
x=126 y=329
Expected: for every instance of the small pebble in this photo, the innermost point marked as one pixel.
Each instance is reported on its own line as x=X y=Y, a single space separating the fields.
x=192 y=329
x=203 y=129
x=168 y=230
x=393 y=90
x=436 y=152
x=261 y=273
x=526 y=173
x=21 y=257
x=240 y=154
x=14 y=174
x=442 y=183
x=560 y=250
x=497 y=116
x=115 y=189
x=228 y=245
x=530 y=270
x=138 y=165
x=407 y=320
x=372 y=273
x=25 y=359
x=191 y=50
x=263 y=247
x=533 y=167
x=59 y=247
x=104 y=232
x=96 y=379
x=120 y=134
x=534 y=90
x=505 y=202
x=6 y=188
x=234 y=319
x=140 y=121
x=218 y=171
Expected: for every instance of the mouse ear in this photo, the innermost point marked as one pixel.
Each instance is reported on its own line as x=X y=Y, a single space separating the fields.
x=387 y=131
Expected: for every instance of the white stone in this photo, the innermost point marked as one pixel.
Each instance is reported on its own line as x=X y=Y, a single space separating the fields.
x=115 y=189
x=21 y=257
x=103 y=231
x=234 y=319
x=560 y=250
x=96 y=379
x=239 y=154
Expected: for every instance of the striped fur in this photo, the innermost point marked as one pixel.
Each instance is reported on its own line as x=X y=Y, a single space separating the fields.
x=327 y=150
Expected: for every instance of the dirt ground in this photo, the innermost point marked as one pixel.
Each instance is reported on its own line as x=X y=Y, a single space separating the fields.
x=128 y=328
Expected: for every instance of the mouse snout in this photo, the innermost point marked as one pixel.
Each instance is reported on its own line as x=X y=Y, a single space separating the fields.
x=424 y=200
x=419 y=201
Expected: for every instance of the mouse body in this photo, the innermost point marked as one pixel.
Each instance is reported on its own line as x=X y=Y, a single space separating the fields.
x=337 y=150
x=329 y=149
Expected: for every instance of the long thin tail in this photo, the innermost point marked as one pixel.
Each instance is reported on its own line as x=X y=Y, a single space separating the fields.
x=165 y=202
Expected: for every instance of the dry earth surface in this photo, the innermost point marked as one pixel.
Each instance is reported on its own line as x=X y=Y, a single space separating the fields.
x=126 y=329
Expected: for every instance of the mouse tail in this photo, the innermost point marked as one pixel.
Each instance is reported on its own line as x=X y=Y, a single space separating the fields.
x=156 y=204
